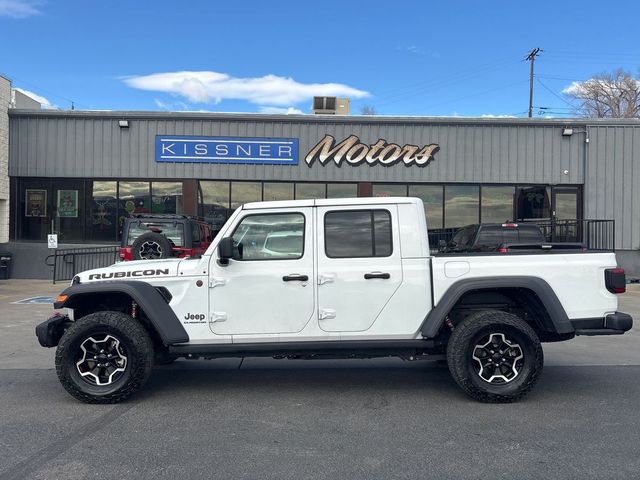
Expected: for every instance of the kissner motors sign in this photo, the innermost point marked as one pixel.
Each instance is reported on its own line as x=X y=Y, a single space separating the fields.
x=353 y=152
x=189 y=149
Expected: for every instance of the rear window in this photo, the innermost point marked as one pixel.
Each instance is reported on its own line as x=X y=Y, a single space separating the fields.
x=464 y=237
x=496 y=235
x=358 y=233
x=531 y=235
x=173 y=231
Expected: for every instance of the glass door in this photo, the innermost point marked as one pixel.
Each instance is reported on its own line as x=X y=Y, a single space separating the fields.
x=565 y=210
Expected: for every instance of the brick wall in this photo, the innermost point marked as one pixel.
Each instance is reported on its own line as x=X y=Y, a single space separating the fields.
x=5 y=97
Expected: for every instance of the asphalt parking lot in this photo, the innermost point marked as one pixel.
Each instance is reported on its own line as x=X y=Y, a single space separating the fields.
x=282 y=419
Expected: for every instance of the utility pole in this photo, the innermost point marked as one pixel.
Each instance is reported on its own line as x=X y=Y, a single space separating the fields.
x=532 y=58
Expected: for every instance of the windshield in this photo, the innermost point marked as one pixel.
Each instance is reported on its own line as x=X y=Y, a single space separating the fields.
x=172 y=230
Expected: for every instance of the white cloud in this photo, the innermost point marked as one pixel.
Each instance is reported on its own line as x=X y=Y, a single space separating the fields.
x=170 y=105
x=580 y=88
x=44 y=102
x=282 y=110
x=213 y=87
x=19 y=8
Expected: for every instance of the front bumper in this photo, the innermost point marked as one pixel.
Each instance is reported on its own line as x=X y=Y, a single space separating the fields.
x=612 y=324
x=50 y=332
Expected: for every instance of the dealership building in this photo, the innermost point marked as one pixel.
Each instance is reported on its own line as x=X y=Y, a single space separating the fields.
x=80 y=173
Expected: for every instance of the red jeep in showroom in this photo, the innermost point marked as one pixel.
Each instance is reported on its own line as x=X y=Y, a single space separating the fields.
x=153 y=236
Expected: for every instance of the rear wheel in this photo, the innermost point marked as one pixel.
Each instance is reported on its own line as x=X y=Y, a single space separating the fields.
x=495 y=357
x=104 y=357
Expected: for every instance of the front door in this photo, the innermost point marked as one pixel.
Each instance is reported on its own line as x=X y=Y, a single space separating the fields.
x=267 y=288
x=359 y=265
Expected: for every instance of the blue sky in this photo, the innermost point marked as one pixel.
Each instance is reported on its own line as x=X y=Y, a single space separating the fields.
x=401 y=57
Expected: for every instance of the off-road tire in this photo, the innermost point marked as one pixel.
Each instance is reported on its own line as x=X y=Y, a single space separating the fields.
x=135 y=341
x=163 y=243
x=464 y=340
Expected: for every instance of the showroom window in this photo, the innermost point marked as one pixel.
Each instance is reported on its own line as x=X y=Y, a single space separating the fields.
x=310 y=191
x=432 y=197
x=461 y=205
x=342 y=190
x=166 y=197
x=277 y=191
x=102 y=219
x=245 y=192
x=389 y=190
x=497 y=204
x=214 y=202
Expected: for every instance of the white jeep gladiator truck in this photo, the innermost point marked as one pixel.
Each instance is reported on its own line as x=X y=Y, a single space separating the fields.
x=337 y=278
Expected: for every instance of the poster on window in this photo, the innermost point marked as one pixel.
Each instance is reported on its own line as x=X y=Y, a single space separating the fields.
x=35 y=203
x=67 y=203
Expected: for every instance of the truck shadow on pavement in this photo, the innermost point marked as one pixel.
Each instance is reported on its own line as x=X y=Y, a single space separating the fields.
x=428 y=380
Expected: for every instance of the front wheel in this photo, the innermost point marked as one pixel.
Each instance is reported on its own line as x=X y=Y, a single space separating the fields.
x=495 y=357
x=104 y=357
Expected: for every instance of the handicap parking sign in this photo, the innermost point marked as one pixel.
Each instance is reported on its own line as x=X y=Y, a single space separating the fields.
x=52 y=240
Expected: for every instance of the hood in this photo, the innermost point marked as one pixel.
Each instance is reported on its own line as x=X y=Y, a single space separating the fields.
x=136 y=270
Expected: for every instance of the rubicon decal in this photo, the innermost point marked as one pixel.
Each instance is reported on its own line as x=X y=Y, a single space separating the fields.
x=151 y=272
x=353 y=152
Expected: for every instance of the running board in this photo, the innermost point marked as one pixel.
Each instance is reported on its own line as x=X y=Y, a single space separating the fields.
x=341 y=347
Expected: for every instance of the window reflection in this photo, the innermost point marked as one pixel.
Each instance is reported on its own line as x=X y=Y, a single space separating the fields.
x=310 y=191
x=431 y=195
x=389 y=190
x=103 y=211
x=245 y=192
x=461 y=205
x=133 y=197
x=497 y=204
x=342 y=190
x=166 y=197
x=270 y=237
x=349 y=234
x=277 y=191
x=215 y=202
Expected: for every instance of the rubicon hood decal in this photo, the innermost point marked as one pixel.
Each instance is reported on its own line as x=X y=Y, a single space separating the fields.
x=150 y=272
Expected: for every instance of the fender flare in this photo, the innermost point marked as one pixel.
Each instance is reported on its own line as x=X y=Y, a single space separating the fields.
x=160 y=314
x=435 y=318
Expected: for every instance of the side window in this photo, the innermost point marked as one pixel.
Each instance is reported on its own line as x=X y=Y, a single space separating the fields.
x=269 y=236
x=195 y=233
x=358 y=233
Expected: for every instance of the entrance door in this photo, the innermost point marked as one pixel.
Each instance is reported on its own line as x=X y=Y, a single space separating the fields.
x=267 y=288
x=565 y=212
x=359 y=265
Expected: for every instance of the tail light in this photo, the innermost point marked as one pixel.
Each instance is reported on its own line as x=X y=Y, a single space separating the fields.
x=121 y=253
x=502 y=250
x=615 y=280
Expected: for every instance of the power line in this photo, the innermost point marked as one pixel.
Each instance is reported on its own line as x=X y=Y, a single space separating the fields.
x=555 y=94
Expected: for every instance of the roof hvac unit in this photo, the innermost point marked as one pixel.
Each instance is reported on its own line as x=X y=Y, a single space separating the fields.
x=331 y=106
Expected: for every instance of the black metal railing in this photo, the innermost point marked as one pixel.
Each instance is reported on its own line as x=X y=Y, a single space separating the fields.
x=66 y=262
x=595 y=234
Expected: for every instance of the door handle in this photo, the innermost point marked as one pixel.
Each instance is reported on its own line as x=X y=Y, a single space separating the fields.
x=369 y=276
x=294 y=277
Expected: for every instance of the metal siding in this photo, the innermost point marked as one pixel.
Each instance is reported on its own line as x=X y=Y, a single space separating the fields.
x=612 y=178
x=92 y=146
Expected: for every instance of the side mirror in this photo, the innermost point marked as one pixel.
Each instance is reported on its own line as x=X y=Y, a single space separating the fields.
x=228 y=250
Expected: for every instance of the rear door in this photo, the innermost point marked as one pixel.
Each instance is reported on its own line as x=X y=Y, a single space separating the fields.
x=359 y=265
